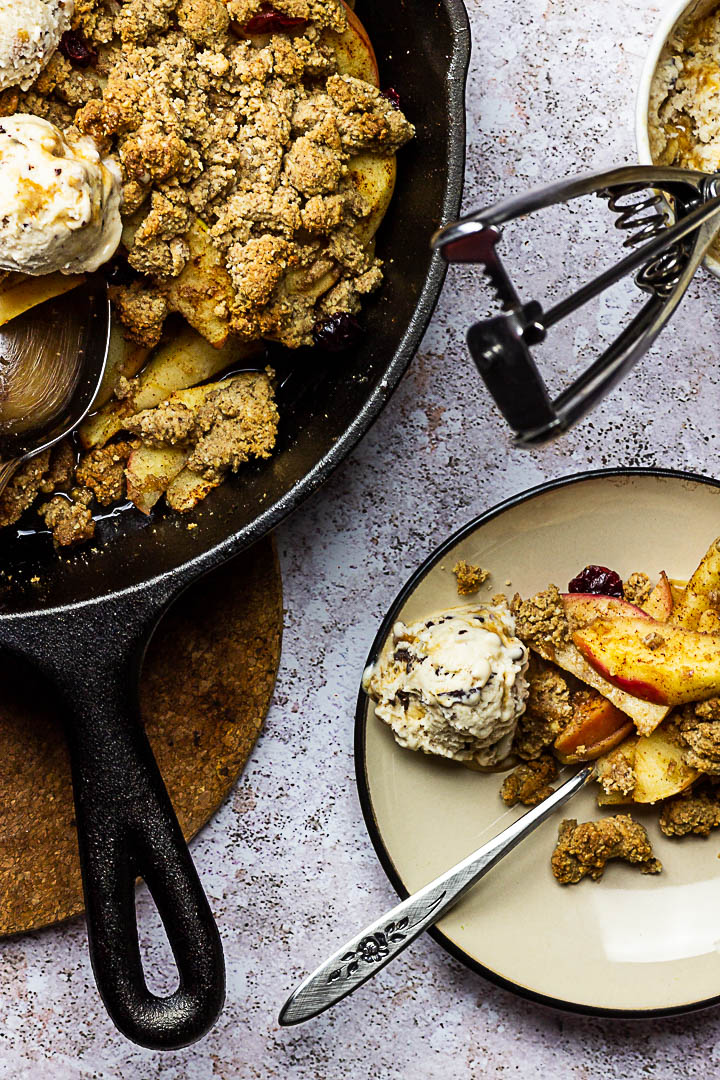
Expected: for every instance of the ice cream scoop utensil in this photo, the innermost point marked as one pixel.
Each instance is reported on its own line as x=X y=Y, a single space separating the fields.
x=369 y=951
x=667 y=253
x=52 y=360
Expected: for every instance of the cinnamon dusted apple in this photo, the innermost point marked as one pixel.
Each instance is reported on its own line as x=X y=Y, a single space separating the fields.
x=702 y=592
x=660 y=603
x=596 y=727
x=646 y=770
x=543 y=624
x=657 y=662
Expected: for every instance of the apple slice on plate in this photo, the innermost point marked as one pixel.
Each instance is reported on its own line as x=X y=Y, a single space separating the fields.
x=660 y=603
x=584 y=608
x=596 y=728
x=655 y=661
x=660 y=771
x=655 y=763
x=702 y=592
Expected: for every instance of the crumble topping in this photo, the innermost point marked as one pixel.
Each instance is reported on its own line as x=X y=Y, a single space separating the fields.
x=23 y=488
x=616 y=771
x=699 y=731
x=547 y=712
x=541 y=621
x=254 y=143
x=690 y=813
x=102 y=471
x=529 y=783
x=71 y=522
x=583 y=850
x=469 y=577
x=230 y=424
x=637 y=588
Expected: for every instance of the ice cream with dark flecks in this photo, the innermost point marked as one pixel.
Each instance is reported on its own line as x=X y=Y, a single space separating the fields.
x=30 y=32
x=59 y=199
x=453 y=684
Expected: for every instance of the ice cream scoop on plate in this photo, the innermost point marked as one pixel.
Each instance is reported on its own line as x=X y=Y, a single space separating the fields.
x=454 y=684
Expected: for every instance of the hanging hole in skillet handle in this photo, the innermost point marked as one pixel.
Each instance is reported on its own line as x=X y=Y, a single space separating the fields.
x=126 y=824
x=127 y=829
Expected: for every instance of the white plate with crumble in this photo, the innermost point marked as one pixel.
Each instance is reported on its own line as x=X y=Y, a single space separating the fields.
x=629 y=943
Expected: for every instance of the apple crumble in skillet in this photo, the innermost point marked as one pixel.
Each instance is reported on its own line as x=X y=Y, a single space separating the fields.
x=257 y=157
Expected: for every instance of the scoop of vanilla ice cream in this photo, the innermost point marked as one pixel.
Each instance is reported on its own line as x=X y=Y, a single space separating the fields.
x=59 y=200
x=30 y=32
x=453 y=685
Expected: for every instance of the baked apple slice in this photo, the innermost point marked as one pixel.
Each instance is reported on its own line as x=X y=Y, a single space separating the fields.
x=702 y=592
x=660 y=771
x=20 y=292
x=353 y=50
x=655 y=661
x=203 y=293
x=595 y=729
x=660 y=603
x=584 y=608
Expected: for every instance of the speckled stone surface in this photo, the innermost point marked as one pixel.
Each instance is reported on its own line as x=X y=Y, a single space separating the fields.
x=287 y=862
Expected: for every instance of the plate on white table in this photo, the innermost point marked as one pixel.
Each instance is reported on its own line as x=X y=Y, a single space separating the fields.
x=630 y=944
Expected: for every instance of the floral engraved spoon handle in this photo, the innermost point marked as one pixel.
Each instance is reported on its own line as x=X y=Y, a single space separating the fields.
x=380 y=942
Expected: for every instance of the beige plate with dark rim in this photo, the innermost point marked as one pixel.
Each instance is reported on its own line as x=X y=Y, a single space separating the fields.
x=629 y=944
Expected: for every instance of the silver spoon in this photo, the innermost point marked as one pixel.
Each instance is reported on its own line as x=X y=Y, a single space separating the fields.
x=52 y=361
x=380 y=942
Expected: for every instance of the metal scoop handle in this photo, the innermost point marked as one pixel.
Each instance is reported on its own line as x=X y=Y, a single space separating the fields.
x=666 y=264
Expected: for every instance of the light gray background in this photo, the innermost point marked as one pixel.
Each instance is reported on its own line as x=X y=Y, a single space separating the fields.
x=287 y=862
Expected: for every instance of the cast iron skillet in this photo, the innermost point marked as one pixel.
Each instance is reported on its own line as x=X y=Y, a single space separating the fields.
x=85 y=620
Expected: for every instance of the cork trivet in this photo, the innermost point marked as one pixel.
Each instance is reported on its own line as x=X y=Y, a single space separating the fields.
x=205 y=691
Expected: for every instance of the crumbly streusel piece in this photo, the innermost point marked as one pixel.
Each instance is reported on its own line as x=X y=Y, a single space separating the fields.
x=469 y=577
x=583 y=850
x=690 y=813
x=23 y=488
x=529 y=783
x=142 y=310
x=699 y=731
x=548 y=709
x=102 y=471
x=233 y=423
x=615 y=771
x=637 y=588
x=541 y=620
x=70 y=522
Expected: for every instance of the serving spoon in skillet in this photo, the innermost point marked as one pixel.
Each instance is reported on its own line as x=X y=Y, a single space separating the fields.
x=52 y=361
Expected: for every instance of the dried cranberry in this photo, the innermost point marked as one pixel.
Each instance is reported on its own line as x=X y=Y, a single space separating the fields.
x=270 y=21
x=392 y=96
x=598 y=580
x=77 y=49
x=337 y=333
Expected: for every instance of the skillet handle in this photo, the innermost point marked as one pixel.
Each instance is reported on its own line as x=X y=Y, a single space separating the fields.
x=126 y=824
x=127 y=828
